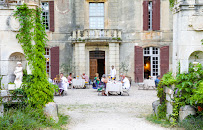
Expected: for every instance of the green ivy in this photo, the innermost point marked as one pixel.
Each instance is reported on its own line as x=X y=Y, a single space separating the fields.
x=172 y=3
x=38 y=90
x=189 y=90
x=166 y=81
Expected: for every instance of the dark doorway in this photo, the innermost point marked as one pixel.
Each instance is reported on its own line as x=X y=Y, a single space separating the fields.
x=97 y=63
x=147 y=67
x=101 y=67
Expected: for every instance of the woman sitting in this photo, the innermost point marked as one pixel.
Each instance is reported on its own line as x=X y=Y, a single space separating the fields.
x=58 y=83
x=104 y=81
x=96 y=81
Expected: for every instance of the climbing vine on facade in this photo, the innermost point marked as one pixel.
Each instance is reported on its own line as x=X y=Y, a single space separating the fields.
x=32 y=37
x=172 y=3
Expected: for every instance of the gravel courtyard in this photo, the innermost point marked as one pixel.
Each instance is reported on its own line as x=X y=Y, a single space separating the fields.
x=88 y=111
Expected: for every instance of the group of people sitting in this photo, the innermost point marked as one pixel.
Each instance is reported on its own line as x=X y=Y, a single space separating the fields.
x=63 y=82
x=100 y=84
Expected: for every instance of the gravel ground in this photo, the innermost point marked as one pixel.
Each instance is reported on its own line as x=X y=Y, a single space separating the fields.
x=88 y=111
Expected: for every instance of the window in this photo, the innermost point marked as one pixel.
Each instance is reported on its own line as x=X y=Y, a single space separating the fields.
x=96 y=15
x=151 y=62
x=150 y=15
x=47 y=57
x=45 y=14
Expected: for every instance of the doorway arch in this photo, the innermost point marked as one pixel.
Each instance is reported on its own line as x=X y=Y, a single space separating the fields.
x=196 y=56
x=13 y=59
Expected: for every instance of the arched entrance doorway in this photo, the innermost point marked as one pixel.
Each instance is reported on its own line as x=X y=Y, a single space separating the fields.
x=97 y=63
x=13 y=59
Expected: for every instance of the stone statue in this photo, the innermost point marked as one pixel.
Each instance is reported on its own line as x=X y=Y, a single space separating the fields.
x=19 y=75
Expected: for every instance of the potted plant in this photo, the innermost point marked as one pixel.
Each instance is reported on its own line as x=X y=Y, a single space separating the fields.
x=124 y=69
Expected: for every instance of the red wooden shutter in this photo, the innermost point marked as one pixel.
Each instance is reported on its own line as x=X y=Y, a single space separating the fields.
x=51 y=11
x=139 y=64
x=54 y=61
x=145 y=16
x=156 y=15
x=164 y=60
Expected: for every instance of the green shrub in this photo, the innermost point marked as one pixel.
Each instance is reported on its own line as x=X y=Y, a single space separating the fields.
x=162 y=111
x=162 y=122
x=192 y=123
x=29 y=118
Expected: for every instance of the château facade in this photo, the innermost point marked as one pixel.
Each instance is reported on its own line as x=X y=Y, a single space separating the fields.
x=90 y=36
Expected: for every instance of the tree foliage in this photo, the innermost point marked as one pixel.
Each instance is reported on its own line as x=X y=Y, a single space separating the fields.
x=32 y=37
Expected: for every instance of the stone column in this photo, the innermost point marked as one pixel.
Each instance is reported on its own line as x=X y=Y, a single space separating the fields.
x=169 y=96
x=114 y=57
x=80 y=58
x=1 y=110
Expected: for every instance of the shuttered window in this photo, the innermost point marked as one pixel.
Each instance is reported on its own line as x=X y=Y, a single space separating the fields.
x=139 y=64
x=51 y=11
x=54 y=62
x=151 y=15
x=164 y=60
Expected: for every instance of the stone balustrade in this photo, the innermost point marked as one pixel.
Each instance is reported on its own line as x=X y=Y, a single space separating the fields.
x=97 y=34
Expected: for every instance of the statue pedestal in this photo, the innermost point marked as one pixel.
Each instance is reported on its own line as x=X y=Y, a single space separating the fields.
x=11 y=86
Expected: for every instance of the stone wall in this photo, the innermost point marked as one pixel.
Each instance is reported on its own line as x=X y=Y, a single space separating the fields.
x=188 y=32
x=131 y=23
x=119 y=14
x=10 y=50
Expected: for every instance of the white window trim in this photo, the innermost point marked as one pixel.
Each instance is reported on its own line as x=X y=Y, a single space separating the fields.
x=150 y=15
x=48 y=56
x=101 y=16
x=151 y=56
x=47 y=16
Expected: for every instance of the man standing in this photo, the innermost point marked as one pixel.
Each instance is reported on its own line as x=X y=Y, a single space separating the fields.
x=113 y=72
x=64 y=82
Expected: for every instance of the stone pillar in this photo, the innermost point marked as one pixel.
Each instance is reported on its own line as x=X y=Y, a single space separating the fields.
x=169 y=96
x=80 y=58
x=184 y=65
x=114 y=57
x=1 y=110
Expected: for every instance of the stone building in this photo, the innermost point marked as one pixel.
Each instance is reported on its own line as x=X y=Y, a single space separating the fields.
x=188 y=33
x=93 y=35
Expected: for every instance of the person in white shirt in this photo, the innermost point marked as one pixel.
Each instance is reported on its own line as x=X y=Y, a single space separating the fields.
x=113 y=72
x=126 y=82
x=64 y=82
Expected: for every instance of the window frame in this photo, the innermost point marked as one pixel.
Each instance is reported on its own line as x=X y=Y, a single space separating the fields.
x=46 y=57
x=96 y=16
x=47 y=28
x=150 y=11
x=151 y=55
